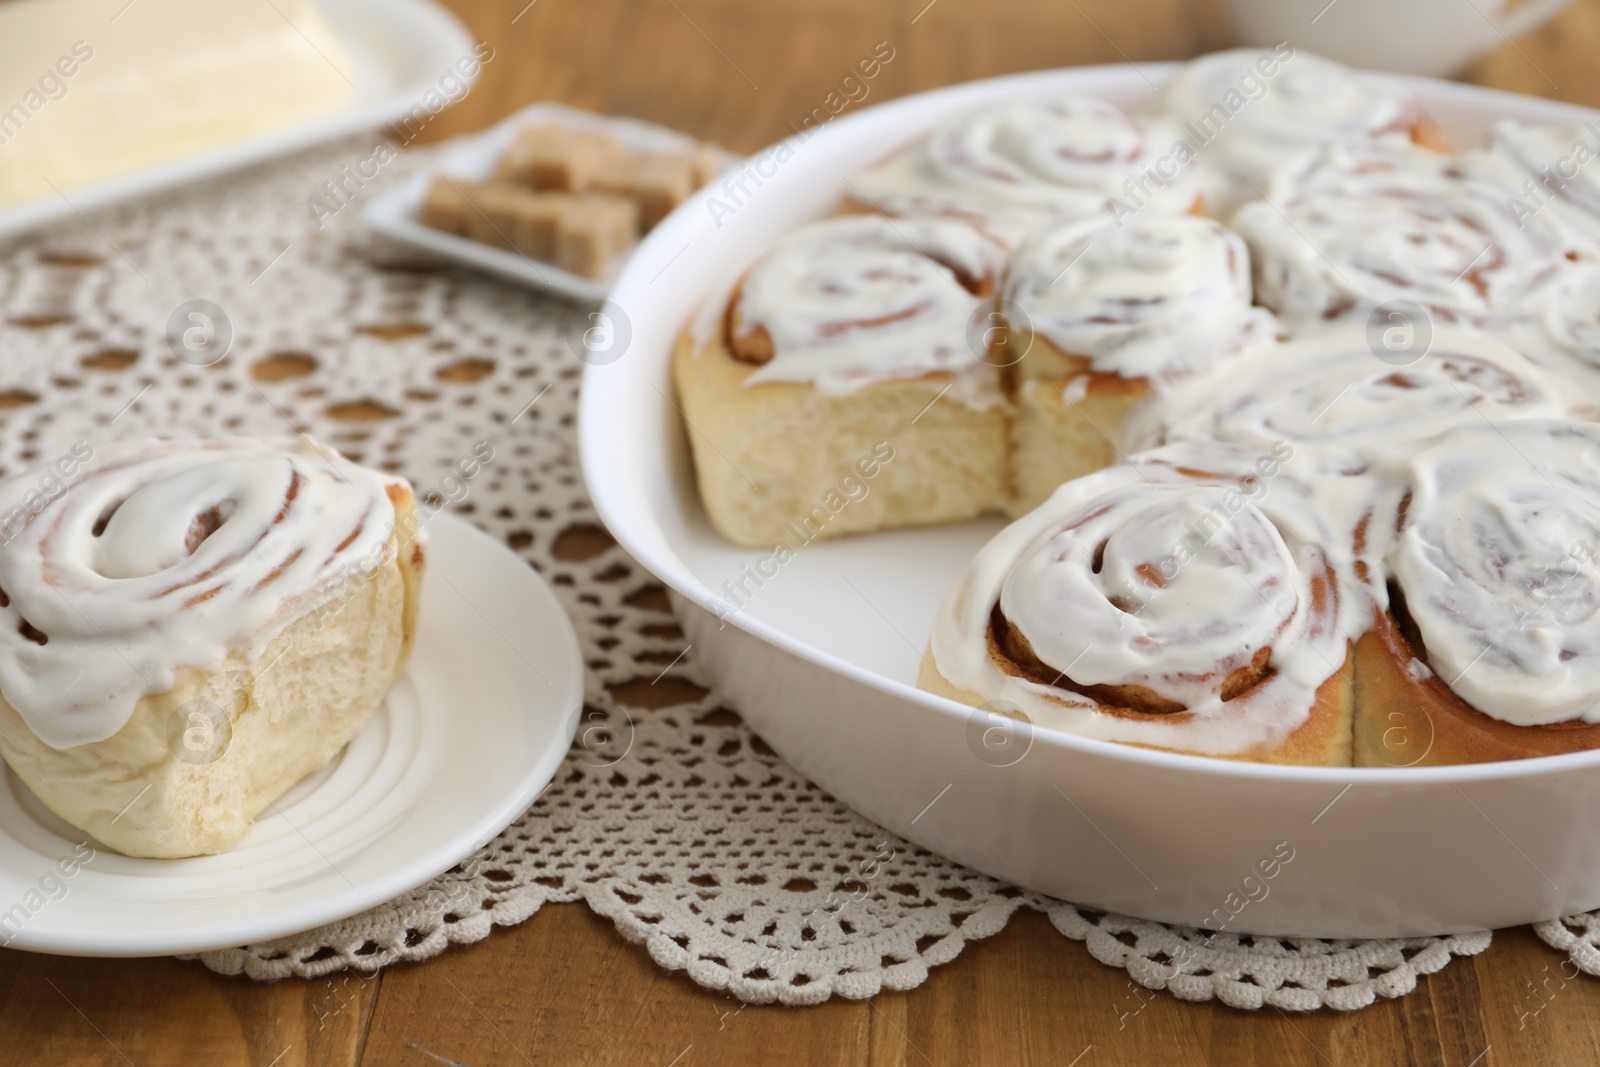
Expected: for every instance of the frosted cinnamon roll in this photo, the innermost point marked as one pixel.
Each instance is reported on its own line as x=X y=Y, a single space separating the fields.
x=1014 y=165
x=1247 y=113
x=1351 y=229
x=855 y=339
x=1103 y=315
x=1162 y=604
x=1489 y=646
x=846 y=303
x=1334 y=399
x=189 y=628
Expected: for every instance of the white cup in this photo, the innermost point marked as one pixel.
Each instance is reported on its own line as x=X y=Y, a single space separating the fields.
x=1434 y=37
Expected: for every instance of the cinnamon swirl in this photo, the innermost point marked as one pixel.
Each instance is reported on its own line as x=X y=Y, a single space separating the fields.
x=1105 y=315
x=1017 y=164
x=854 y=338
x=1351 y=229
x=1169 y=602
x=1488 y=646
x=189 y=628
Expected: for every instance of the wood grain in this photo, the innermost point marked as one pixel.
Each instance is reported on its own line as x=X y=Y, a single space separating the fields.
x=565 y=987
x=156 y=1012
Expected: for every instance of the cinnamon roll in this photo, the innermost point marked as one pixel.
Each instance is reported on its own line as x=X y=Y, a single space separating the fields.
x=846 y=383
x=189 y=628
x=1104 y=315
x=1169 y=602
x=1246 y=113
x=1488 y=646
x=1014 y=165
x=1352 y=229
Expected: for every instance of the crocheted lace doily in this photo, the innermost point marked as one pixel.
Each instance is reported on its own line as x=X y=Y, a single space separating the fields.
x=669 y=816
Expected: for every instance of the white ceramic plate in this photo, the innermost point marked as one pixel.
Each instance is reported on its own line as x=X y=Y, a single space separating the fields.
x=394 y=212
x=822 y=658
x=475 y=728
x=398 y=50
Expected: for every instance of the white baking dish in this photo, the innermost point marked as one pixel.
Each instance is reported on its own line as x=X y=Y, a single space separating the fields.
x=821 y=659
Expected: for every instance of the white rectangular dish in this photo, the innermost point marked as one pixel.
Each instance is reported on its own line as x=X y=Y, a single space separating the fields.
x=398 y=50
x=394 y=213
x=821 y=658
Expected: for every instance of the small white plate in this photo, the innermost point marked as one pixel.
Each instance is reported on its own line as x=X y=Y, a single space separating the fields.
x=394 y=212
x=466 y=739
x=398 y=51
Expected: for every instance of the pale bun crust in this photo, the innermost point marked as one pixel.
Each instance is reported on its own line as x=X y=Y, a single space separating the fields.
x=770 y=454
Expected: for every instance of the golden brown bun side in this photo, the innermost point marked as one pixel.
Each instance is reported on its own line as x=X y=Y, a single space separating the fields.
x=289 y=712
x=778 y=462
x=1054 y=440
x=1323 y=740
x=1405 y=722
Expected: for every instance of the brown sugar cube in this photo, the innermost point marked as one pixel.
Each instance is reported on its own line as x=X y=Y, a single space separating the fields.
x=593 y=232
x=446 y=207
x=657 y=183
x=558 y=158
x=493 y=211
x=536 y=222
x=516 y=218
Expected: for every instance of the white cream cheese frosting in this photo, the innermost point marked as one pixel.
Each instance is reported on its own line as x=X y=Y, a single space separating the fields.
x=1330 y=395
x=1551 y=169
x=1499 y=560
x=1248 y=112
x=1352 y=229
x=1159 y=297
x=848 y=302
x=1560 y=331
x=1015 y=165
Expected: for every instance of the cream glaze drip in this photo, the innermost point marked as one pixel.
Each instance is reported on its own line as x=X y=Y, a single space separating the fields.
x=162 y=556
x=1500 y=564
x=1016 y=164
x=852 y=301
x=1307 y=102
x=1159 y=297
x=1348 y=230
x=1197 y=573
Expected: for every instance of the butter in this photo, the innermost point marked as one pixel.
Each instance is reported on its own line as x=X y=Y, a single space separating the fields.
x=92 y=90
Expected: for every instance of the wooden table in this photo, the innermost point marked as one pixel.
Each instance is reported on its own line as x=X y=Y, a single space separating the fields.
x=564 y=987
